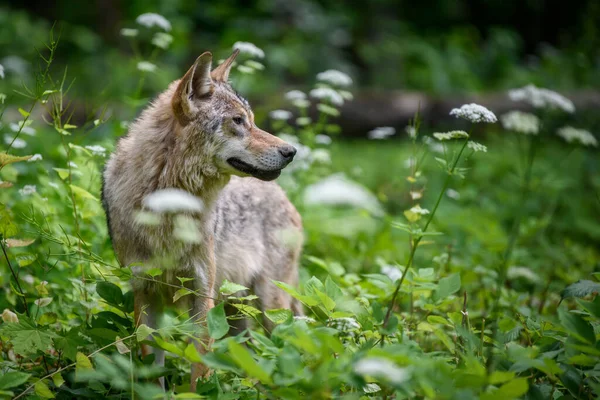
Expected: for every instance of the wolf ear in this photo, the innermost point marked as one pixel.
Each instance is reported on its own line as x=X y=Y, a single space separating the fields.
x=221 y=73
x=195 y=85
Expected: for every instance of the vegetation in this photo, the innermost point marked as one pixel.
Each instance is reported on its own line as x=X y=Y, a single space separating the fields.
x=434 y=267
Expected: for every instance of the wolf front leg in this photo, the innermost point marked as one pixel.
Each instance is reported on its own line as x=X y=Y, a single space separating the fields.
x=148 y=308
x=205 y=285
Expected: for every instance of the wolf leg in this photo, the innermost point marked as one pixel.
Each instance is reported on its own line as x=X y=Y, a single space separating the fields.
x=147 y=310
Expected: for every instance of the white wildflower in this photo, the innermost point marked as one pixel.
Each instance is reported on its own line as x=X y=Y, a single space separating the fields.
x=293 y=95
x=150 y=20
x=327 y=109
x=97 y=150
x=451 y=135
x=303 y=121
x=27 y=190
x=391 y=272
x=474 y=113
x=304 y=318
x=542 y=98
x=582 y=136
x=344 y=324
x=322 y=139
x=9 y=316
x=476 y=146
x=35 y=157
x=335 y=78
x=338 y=190
x=72 y=164
x=301 y=103
x=521 y=122
x=146 y=66
x=17 y=143
x=371 y=388
x=282 y=115
x=411 y=131
x=381 y=368
x=255 y=65
x=129 y=32
x=28 y=279
x=244 y=69
x=321 y=156
x=1 y=71
x=162 y=40
x=249 y=48
x=24 y=127
x=346 y=94
x=172 y=200
x=382 y=132
x=433 y=145
x=453 y=194
x=418 y=210
x=325 y=93
x=415 y=195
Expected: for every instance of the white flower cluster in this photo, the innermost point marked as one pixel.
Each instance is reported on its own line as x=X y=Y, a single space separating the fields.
x=476 y=147
x=24 y=127
x=129 y=32
x=304 y=318
x=391 y=272
x=411 y=131
x=172 y=200
x=451 y=135
x=249 y=48
x=35 y=157
x=582 y=136
x=298 y=98
x=383 y=132
x=329 y=94
x=146 y=66
x=344 y=324
x=1 y=71
x=97 y=150
x=337 y=190
x=335 y=78
x=323 y=139
x=542 y=98
x=521 y=122
x=27 y=190
x=418 y=210
x=381 y=368
x=150 y=20
x=282 y=115
x=18 y=143
x=474 y=113
x=162 y=40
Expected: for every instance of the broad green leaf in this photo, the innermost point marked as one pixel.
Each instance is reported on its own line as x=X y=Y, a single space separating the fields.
x=217 y=322
x=247 y=309
x=154 y=272
x=13 y=379
x=82 y=364
x=244 y=360
x=170 y=347
x=26 y=259
x=448 y=286
x=26 y=337
x=58 y=379
x=110 y=292
x=501 y=376
x=42 y=390
x=189 y=396
x=7 y=227
x=121 y=347
x=332 y=289
x=279 y=315
x=143 y=331
x=191 y=353
x=228 y=288
x=577 y=326
x=62 y=173
x=308 y=300
x=82 y=193
x=24 y=113
x=581 y=289
x=180 y=293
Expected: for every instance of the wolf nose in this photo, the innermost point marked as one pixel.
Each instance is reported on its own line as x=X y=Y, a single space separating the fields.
x=288 y=152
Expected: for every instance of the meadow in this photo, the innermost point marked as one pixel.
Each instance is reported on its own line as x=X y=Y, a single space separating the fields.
x=454 y=260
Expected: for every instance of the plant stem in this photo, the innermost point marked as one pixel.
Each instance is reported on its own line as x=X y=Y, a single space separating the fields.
x=12 y=271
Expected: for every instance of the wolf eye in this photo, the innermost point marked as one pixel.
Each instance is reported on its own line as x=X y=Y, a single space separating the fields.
x=238 y=120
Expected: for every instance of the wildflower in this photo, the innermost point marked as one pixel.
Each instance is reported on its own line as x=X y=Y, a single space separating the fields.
x=344 y=324
x=371 y=388
x=244 y=69
x=249 y=48
x=327 y=109
x=346 y=94
x=418 y=210
x=304 y=318
x=321 y=156
x=23 y=127
x=255 y=65
x=582 y=136
x=474 y=113
x=391 y=272
x=17 y=143
x=433 y=145
x=162 y=40
x=411 y=131
x=172 y=200
x=1 y=71
x=415 y=195
x=150 y=20
x=43 y=302
x=97 y=150
x=542 y=98
x=521 y=122
x=338 y=190
x=146 y=66
x=322 y=139
x=35 y=157
x=72 y=164
x=382 y=132
x=293 y=95
x=335 y=77
x=128 y=32
x=325 y=93
x=381 y=368
x=303 y=121
x=453 y=194
x=451 y=135
x=9 y=316
x=476 y=146
x=27 y=190
x=282 y=115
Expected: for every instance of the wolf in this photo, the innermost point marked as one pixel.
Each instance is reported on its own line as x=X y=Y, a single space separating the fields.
x=199 y=136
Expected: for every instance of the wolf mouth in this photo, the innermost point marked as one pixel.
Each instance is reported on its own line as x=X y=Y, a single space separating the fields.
x=246 y=168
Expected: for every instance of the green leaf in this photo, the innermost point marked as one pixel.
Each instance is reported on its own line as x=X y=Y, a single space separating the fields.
x=581 y=289
x=58 y=380
x=42 y=390
x=278 y=316
x=448 y=286
x=82 y=193
x=62 y=173
x=82 y=364
x=244 y=360
x=577 y=326
x=247 y=309
x=13 y=379
x=228 y=288
x=154 y=272
x=128 y=302
x=501 y=376
x=217 y=322
x=7 y=227
x=143 y=331
x=191 y=353
x=110 y=292
x=26 y=259
x=26 y=337
x=180 y=293
x=170 y=347
x=6 y=159
x=308 y=300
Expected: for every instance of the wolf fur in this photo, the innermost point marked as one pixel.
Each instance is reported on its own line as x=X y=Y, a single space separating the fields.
x=199 y=136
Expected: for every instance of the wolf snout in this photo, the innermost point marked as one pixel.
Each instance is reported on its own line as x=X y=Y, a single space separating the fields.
x=287 y=152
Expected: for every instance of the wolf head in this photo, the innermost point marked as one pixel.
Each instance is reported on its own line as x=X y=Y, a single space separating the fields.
x=218 y=122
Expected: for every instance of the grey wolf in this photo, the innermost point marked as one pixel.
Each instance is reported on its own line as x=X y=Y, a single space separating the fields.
x=199 y=136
